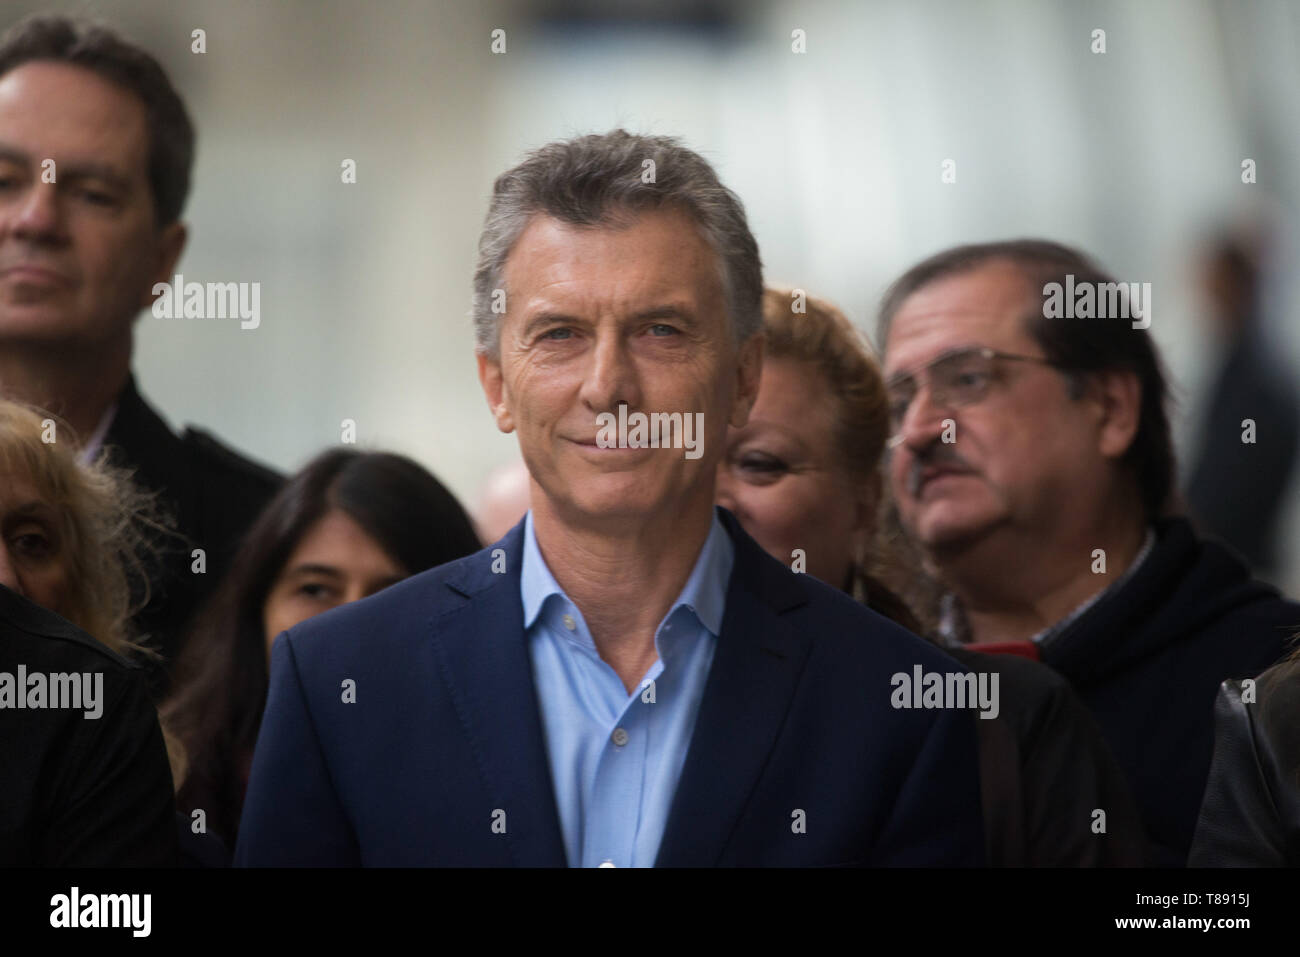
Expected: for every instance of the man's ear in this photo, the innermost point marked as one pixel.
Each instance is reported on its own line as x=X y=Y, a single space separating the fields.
x=171 y=243
x=489 y=375
x=1117 y=398
x=749 y=371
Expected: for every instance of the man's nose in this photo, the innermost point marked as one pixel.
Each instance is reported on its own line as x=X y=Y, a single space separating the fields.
x=611 y=380
x=923 y=422
x=37 y=216
x=8 y=573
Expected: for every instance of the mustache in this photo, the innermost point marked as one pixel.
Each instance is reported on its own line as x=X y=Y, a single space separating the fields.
x=937 y=454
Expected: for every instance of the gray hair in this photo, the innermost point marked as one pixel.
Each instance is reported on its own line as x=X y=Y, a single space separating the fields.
x=588 y=181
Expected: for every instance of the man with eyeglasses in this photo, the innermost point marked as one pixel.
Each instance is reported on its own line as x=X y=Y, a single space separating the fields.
x=1031 y=461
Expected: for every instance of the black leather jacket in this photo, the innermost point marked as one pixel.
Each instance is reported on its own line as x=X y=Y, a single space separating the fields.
x=1250 y=816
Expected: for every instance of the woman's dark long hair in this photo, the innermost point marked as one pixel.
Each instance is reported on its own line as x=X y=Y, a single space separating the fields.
x=221 y=676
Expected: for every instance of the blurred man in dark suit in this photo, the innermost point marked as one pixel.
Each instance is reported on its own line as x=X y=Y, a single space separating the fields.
x=95 y=155
x=1251 y=431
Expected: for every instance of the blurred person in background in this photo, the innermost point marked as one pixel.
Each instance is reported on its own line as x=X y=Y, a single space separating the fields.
x=88 y=786
x=504 y=501
x=803 y=477
x=1032 y=462
x=1250 y=434
x=80 y=252
x=348 y=525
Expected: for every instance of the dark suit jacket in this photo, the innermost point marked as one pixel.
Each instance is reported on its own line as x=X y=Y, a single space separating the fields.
x=445 y=731
x=78 y=791
x=210 y=492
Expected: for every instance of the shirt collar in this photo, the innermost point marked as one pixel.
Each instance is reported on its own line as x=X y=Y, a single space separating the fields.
x=1051 y=631
x=704 y=594
x=96 y=440
x=953 y=631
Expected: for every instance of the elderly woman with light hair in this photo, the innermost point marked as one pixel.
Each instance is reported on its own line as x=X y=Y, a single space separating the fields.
x=77 y=793
x=69 y=530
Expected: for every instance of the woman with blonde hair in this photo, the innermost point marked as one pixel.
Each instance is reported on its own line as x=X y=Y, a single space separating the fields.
x=77 y=792
x=803 y=478
x=71 y=529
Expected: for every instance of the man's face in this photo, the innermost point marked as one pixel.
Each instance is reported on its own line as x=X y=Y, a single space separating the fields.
x=598 y=317
x=78 y=256
x=1021 y=454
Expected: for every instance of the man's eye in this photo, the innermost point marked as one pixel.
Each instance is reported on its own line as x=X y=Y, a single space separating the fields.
x=96 y=198
x=556 y=335
x=662 y=330
x=970 y=379
x=761 y=464
x=898 y=407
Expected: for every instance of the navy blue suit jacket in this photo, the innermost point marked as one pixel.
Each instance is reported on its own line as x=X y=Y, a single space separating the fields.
x=441 y=759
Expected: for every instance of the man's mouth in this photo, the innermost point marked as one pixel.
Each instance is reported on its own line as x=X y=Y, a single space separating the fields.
x=33 y=274
x=597 y=447
x=923 y=477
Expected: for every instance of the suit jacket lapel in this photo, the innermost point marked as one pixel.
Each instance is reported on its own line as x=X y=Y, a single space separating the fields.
x=755 y=671
x=483 y=653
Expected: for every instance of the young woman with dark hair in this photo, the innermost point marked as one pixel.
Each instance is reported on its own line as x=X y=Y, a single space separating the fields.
x=349 y=524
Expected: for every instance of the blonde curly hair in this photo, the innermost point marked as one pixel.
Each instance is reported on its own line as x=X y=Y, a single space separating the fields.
x=99 y=510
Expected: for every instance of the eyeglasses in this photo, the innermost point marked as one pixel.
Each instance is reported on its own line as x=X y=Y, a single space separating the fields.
x=958 y=378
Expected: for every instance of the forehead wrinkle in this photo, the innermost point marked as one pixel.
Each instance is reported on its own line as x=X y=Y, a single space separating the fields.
x=79 y=139
x=937 y=330
x=562 y=254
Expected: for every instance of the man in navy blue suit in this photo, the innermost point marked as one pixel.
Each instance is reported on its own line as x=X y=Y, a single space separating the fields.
x=626 y=679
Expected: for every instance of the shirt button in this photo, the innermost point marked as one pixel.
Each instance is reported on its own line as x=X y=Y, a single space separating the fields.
x=619 y=737
x=569 y=623
x=607 y=863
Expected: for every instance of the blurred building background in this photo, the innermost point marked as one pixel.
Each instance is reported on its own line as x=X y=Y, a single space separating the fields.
x=1134 y=154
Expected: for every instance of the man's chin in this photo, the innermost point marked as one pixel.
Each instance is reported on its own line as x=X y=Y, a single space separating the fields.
x=948 y=531
x=612 y=496
x=37 y=323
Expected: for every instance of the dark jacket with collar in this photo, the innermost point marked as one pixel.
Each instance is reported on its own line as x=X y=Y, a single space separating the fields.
x=78 y=791
x=212 y=494
x=1046 y=771
x=445 y=733
x=1250 y=816
x=1148 y=659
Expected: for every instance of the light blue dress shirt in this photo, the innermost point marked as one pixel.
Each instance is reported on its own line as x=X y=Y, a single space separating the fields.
x=615 y=757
